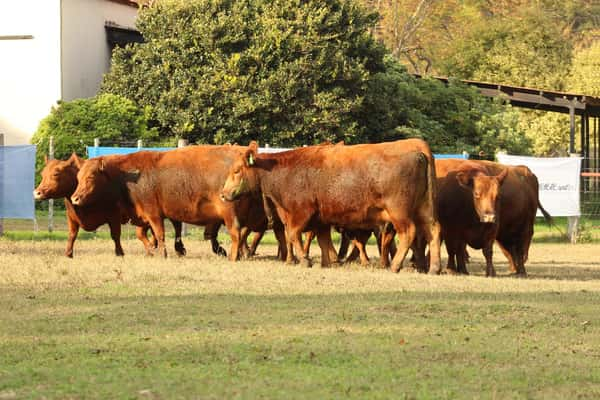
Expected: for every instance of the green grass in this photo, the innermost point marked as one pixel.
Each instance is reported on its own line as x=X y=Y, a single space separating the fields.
x=99 y=327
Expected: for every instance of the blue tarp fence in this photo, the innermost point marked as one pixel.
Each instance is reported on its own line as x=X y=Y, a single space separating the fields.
x=17 y=181
x=105 y=151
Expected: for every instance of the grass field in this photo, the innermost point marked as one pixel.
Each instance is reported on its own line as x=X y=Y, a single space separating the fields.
x=201 y=327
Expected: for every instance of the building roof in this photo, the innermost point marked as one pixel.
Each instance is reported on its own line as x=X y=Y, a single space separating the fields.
x=537 y=99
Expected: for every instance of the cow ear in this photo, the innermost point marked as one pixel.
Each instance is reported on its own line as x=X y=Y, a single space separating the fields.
x=252 y=152
x=502 y=175
x=464 y=179
x=132 y=175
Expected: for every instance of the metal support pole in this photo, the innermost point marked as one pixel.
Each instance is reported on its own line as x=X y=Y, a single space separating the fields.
x=140 y=144
x=96 y=142
x=573 y=222
x=572 y=128
x=183 y=143
x=51 y=201
x=1 y=183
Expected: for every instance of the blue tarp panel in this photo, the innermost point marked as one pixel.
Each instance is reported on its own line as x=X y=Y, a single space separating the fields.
x=17 y=172
x=105 y=151
x=440 y=156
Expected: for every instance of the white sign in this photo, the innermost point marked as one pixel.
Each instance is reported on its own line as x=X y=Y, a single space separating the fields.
x=559 y=182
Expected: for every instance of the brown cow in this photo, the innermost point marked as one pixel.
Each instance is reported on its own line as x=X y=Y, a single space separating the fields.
x=354 y=187
x=59 y=179
x=181 y=184
x=468 y=207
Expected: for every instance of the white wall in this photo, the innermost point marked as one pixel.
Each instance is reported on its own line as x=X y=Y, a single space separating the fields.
x=30 y=68
x=85 y=51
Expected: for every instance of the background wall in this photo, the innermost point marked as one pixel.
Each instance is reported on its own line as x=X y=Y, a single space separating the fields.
x=30 y=68
x=85 y=52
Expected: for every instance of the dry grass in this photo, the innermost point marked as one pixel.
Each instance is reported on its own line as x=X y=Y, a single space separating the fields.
x=41 y=264
x=102 y=327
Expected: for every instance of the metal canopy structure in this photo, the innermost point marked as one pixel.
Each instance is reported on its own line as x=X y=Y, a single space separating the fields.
x=547 y=100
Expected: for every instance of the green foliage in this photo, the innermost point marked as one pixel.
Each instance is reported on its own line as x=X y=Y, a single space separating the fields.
x=527 y=51
x=585 y=73
x=75 y=124
x=284 y=72
x=452 y=118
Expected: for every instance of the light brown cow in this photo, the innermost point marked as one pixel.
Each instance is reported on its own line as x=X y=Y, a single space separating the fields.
x=181 y=184
x=59 y=179
x=354 y=187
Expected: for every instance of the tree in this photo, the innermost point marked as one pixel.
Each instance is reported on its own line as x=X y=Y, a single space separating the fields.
x=282 y=71
x=75 y=124
x=452 y=118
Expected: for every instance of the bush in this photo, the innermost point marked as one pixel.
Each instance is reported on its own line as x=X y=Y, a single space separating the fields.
x=75 y=124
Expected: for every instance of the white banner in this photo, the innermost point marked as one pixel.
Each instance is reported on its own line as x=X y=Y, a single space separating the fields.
x=559 y=182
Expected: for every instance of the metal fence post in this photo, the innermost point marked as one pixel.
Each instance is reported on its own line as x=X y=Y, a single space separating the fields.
x=51 y=201
x=573 y=222
x=183 y=143
x=140 y=143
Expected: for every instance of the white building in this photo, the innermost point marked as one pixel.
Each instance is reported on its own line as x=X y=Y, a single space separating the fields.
x=54 y=50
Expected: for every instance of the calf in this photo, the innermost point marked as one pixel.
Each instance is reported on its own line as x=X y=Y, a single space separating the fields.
x=468 y=206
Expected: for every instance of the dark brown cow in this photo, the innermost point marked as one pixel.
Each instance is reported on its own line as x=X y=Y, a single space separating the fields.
x=59 y=179
x=181 y=184
x=468 y=207
x=354 y=187
x=518 y=205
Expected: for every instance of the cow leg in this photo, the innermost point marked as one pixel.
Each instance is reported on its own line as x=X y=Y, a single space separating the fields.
x=115 y=234
x=406 y=231
x=295 y=237
x=211 y=232
x=387 y=239
x=141 y=232
x=362 y=251
x=461 y=259
x=256 y=238
x=488 y=252
x=282 y=242
x=344 y=244
x=158 y=227
x=431 y=232
x=233 y=226
x=354 y=254
x=179 y=247
x=73 y=231
x=324 y=239
x=310 y=235
x=244 y=249
x=511 y=261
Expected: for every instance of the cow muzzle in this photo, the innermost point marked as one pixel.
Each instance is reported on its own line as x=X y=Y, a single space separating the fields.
x=76 y=200
x=38 y=195
x=226 y=197
x=488 y=218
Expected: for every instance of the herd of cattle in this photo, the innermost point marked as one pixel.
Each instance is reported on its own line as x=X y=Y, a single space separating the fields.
x=389 y=189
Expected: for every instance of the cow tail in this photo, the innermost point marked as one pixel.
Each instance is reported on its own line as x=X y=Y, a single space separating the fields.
x=547 y=215
x=432 y=185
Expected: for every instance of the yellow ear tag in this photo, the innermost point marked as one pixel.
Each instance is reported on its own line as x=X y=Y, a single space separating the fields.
x=250 y=160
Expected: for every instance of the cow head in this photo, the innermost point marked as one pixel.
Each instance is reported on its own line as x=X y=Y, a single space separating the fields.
x=59 y=178
x=485 y=190
x=92 y=179
x=241 y=178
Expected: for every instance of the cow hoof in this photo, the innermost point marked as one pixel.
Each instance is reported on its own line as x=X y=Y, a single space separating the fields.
x=451 y=271
x=69 y=255
x=408 y=270
x=305 y=263
x=518 y=274
x=395 y=269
